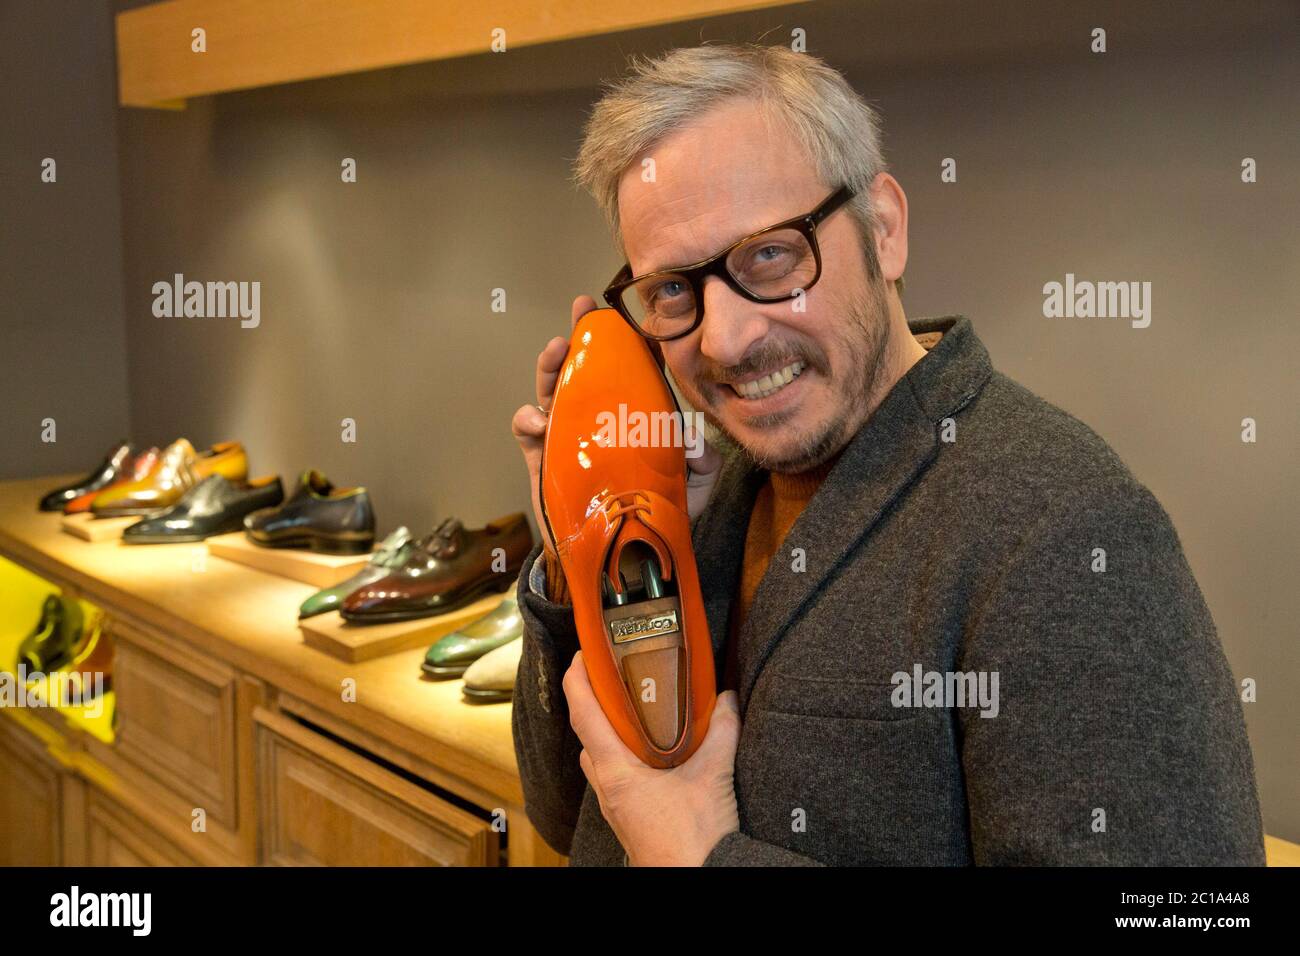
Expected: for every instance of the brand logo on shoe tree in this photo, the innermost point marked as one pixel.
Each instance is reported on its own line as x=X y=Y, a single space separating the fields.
x=635 y=628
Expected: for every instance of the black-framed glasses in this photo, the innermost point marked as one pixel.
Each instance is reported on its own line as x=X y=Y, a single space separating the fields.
x=771 y=265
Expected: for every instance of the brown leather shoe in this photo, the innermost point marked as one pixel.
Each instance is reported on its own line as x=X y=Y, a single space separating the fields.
x=90 y=672
x=449 y=568
x=181 y=469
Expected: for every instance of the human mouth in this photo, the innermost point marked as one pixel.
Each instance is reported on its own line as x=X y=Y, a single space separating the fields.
x=768 y=384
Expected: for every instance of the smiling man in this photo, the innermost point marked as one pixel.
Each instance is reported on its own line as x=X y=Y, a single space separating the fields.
x=889 y=505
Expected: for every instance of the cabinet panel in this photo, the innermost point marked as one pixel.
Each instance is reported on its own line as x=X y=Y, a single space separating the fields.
x=30 y=809
x=323 y=804
x=176 y=720
x=115 y=837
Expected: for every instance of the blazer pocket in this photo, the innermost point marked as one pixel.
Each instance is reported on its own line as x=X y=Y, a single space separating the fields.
x=784 y=693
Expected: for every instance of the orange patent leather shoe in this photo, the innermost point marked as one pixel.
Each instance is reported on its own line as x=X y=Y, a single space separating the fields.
x=142 y=465
x=617 y=514
x=180 y=469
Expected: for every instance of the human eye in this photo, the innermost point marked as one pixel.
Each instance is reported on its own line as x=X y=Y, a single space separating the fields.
x=668 y=297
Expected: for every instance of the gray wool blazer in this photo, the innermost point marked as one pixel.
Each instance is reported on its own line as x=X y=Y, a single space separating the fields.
x=1066 y=700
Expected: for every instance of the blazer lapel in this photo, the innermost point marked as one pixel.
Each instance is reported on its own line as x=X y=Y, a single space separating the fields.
x=719 y=542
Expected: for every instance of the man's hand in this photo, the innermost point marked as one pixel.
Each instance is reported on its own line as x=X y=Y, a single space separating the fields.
x=662 y=817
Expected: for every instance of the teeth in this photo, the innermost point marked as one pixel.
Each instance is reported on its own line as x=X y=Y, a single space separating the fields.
x=769 y=384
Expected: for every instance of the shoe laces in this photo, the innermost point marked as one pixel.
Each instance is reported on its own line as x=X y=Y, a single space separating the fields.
x=615 y=506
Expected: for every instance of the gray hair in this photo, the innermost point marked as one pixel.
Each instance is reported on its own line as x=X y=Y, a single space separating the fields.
x=836 y=128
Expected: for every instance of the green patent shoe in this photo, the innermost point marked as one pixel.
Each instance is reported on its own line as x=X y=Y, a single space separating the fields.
x=391 y=553
x=451 y=655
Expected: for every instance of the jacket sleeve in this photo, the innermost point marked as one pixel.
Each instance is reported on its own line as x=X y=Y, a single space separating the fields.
x=738 y=849
x=1119 y=738
x=546 y=748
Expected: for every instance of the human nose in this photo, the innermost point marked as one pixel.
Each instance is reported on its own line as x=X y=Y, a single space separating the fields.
x=731 y=324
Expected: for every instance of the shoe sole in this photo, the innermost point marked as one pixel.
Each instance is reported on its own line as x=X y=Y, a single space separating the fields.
x=167 y=539
x=414 y=614
x=444 y=673
x=320 y=543
x=487 y=696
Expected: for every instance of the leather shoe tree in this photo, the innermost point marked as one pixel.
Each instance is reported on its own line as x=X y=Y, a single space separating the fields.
x=110 y=470
x=617 y=514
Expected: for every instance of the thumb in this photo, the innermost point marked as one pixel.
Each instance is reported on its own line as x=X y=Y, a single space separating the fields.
x=701 y=457
x=723 y=736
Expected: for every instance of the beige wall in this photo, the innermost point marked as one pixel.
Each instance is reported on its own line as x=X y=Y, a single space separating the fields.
x=376 y=296
x=62 y=337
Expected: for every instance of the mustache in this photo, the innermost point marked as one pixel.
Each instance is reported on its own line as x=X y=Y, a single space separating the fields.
x=763 y=359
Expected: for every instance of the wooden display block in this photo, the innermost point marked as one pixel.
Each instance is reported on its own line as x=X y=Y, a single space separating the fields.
x=309 y=567
x=89 y=528
x=363 y=642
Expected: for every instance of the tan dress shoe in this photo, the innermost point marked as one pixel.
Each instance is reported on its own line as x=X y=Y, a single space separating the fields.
x=491 y=678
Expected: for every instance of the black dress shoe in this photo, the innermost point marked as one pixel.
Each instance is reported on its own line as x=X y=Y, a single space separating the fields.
x=215 y=505
x=50 y=646
x=115 y=466
x=318 y=516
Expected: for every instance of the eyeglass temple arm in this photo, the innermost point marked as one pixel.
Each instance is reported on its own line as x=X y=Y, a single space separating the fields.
x=832 y=203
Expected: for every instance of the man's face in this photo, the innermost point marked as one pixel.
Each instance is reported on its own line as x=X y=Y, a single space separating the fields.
x=734 y=172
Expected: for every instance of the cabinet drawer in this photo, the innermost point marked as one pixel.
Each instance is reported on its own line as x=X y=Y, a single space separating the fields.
x=324 y=804
x=176 y=720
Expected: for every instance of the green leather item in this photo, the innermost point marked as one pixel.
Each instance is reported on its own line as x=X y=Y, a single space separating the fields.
x=50 y=646
x=391 y=553
x=450 y=656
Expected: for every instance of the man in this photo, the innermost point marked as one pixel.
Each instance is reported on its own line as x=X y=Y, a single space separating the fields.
x=897 y=521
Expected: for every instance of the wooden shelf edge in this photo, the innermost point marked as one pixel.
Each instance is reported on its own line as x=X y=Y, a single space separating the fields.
x=250 y=45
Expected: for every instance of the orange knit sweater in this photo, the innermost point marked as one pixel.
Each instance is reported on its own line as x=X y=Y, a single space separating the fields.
x=779 y=503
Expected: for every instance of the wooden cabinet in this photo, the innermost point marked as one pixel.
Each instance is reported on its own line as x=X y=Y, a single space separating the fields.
x=231 y=742
x=324 y=804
